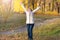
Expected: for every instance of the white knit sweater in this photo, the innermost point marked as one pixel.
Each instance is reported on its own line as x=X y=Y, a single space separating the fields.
x=29 y=15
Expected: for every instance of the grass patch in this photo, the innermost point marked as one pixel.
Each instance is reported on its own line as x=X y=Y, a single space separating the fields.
x=49 y=29
x=18 y=20
x=43 y=16
x=13 y=22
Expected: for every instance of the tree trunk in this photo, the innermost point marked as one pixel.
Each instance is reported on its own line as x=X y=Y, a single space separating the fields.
x=44 y=6
x=33 y=3
x=53 y=5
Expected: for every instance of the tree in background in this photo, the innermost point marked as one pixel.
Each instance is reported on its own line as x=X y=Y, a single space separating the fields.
x=53 y=4
x=33 y=3
x=8 y=8
x=43 y=5
x=28 y=3
x=58 y=7
x=49 y=6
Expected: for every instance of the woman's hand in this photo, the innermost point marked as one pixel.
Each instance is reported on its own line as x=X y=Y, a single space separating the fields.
x=20 y=2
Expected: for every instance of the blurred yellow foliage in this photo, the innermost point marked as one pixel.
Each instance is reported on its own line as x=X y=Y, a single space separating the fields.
x=51 y=13
x=17 y=6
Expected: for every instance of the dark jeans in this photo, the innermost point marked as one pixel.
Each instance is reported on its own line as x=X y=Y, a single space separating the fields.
x=30 y=29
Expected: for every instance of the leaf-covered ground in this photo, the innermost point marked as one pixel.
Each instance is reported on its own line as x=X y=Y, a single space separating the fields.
x=48 y=30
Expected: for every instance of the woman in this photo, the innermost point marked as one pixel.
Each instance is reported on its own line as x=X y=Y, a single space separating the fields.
x=29 y=20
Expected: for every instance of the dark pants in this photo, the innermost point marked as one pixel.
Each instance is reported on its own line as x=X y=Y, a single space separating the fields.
x=30 y=29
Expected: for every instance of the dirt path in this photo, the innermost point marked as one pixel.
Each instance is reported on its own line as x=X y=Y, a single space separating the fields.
x=24 y=28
